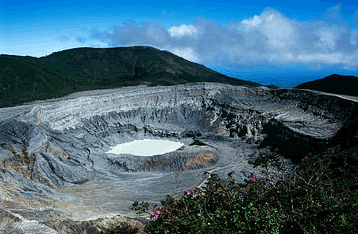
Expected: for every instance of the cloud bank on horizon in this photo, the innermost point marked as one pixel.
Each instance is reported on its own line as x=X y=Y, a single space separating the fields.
x=268 y=39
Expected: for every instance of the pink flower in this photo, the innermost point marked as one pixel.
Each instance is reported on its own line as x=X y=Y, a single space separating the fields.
x=306 y=158
x=151 y=216
x=189 y=191
x=156 y=216
x=168 y=211
x=175 y=203
x=158 y=208
x=252 y=177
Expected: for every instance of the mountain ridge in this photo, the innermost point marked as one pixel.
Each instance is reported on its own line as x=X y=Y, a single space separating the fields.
x=26 y=78
x=334 y=83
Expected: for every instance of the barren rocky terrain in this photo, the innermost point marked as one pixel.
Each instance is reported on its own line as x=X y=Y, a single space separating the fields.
x=56 y=177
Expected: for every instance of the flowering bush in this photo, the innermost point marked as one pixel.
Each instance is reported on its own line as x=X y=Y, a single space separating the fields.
x=317 y=198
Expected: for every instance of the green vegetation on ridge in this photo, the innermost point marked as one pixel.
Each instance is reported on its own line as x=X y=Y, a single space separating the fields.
x=334 y=84
x=25 y=78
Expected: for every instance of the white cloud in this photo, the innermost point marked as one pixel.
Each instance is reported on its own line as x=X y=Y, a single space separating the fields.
x=354 y=38
x=252 y=22
x=327 y=40
x=351 y=61
x=187 y=53
x=183 y=30
x=278 y=30
x=331 y=59
x=156 y=34
x=267 y=39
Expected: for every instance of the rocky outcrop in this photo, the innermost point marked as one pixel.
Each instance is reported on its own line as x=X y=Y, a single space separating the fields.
x=53 y=153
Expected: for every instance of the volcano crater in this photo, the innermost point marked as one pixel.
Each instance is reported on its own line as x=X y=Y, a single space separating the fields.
x=57 y=152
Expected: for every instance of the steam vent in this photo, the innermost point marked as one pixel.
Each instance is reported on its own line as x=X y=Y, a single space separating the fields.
x=60 y=173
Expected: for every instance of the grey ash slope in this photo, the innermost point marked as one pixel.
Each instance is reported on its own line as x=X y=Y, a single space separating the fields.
x=25 y=78
x=53 y=153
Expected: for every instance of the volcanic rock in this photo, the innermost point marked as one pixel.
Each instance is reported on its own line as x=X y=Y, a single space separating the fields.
x=56 y=177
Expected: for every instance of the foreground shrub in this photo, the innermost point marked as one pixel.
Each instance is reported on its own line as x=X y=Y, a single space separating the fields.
x=123 y=230
x=317 y=198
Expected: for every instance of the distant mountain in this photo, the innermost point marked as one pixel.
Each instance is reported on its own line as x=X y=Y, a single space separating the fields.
x=334 y=84
x=25 y=78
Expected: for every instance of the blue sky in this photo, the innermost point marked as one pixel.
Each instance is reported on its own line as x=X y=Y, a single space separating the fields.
x=270 y=42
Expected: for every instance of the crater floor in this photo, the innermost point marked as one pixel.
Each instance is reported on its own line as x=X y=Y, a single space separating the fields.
x=59 y=158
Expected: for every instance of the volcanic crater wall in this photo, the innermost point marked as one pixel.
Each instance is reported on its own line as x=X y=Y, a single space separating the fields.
x=60 y=139
x=63 y=142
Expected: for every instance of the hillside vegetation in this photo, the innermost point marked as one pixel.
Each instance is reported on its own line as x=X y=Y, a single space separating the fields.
x=334 y=84
x=25 y=78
